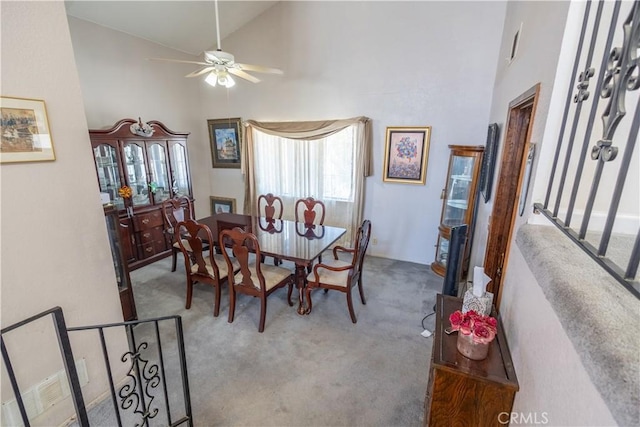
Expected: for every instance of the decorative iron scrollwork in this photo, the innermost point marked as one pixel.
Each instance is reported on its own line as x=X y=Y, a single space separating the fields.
x=621 y=75
x=134 y=393
x=583 y=84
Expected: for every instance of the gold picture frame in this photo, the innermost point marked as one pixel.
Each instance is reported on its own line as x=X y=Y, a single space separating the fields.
x=222 y=205
x=25 y=135
x=405 y=155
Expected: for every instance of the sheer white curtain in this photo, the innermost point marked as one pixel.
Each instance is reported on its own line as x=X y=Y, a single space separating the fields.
x=329 y=167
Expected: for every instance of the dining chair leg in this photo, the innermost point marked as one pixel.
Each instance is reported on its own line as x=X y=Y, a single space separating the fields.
x=216 y=302
x=189 y=293
x=174 y=259
x=263 y=312
x=364 y=302
x=232 y=303
x=350 y=304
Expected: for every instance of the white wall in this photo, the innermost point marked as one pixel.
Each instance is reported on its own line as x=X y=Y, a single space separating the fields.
x=549 y=370
x=53 y=235
x=553 y=381
x=399 y=63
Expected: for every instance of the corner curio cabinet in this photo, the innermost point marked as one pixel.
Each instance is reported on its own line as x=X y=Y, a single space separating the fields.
x=459 y=203
x=152 y=162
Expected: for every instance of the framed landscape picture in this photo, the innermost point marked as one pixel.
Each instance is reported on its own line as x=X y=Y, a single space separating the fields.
x=25 y=135
x=405 y=154
x=225 y=136
x=222 y=205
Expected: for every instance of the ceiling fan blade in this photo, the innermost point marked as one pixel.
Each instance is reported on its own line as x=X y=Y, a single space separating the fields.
x=243 y=75
x=259 y=68
x=200 y=72
x=177 y=60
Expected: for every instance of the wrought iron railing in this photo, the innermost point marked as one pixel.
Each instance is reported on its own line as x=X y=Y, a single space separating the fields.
x=594 y=177
x=143 y=393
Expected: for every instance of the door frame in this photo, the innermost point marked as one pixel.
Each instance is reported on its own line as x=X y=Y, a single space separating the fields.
x=520 y=119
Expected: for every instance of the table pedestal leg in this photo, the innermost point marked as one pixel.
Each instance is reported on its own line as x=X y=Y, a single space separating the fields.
x=300 y=281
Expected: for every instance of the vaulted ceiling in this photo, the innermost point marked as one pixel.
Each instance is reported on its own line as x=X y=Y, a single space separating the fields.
x=187 y=26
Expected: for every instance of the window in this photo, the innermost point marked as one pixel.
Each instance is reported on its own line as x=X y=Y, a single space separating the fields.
x=322 y=168
x=327 y=160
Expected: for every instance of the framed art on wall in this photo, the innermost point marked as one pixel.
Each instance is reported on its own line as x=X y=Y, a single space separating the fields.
x=488 y=162
x=222 y=205
x=405 y=154
x=25 y=135
x=225 y=136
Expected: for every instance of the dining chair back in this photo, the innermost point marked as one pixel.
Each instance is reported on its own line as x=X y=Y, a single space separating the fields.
x=342 y=275
x=174 y=211
x=254 y=277
x=309 y=211
x=270 y=206
x=200 y=264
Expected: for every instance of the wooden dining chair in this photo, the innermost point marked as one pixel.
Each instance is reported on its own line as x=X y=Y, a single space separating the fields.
x=174 y=211
x=254 y=278
x=270 y=206
x=309 y=211
x=342 y=275
x=200 y=266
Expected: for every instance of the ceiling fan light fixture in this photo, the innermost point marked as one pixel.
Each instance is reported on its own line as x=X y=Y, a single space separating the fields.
x=218 y=65
x=212 y=78
x=225 y=79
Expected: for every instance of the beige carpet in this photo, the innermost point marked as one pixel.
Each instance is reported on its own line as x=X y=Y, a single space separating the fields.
x=316 y=370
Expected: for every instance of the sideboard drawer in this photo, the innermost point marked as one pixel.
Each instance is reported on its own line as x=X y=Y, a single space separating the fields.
x=151 y=235
x=148 y=220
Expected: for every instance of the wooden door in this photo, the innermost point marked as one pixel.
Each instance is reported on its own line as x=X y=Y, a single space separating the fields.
x=505 y=206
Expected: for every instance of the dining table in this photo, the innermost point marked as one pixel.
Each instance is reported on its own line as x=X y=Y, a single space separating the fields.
x=282 y=239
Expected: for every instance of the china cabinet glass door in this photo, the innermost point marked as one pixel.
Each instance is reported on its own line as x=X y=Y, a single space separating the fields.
x=457 y=194
x=159 y=185
x=108 y=175
x=136 y=172
x=442 y=250
x=459 y=199
x=180 y=170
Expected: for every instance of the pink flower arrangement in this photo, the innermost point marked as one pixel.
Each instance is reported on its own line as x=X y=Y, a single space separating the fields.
x=483 y=328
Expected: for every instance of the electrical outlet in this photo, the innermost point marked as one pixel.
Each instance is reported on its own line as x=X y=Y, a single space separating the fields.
x=375 y=241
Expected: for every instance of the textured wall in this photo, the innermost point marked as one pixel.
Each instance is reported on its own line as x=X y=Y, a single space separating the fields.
x=53 y=235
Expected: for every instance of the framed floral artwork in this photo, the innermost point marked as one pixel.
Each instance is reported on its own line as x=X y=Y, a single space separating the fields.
x=25 y=135
x=225 y=137
x=405 y=154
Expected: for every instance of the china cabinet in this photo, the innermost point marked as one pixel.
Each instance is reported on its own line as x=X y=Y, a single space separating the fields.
x=120 y=263
x=151 y=163
x=459 y=203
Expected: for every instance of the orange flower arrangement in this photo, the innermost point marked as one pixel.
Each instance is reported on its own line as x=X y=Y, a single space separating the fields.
x=125 y=192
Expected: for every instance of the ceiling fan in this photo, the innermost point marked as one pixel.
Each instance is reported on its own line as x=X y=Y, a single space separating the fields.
x=219 y=65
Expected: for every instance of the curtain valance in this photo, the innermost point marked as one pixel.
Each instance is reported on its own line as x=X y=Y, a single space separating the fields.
x=311 y=130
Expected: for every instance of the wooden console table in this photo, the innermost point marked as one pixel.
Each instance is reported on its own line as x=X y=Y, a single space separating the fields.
x=462 y=391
